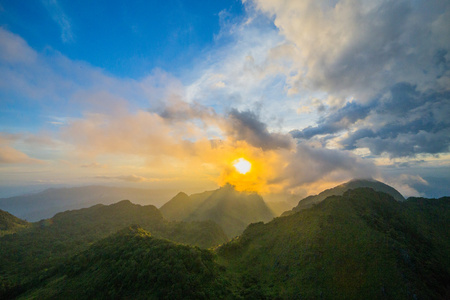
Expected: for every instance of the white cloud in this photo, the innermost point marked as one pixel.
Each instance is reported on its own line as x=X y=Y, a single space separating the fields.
x=357 y=48
x=57 y=14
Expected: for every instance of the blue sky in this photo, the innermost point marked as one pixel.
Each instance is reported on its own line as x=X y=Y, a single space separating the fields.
x=167 y=94
x=124 y=39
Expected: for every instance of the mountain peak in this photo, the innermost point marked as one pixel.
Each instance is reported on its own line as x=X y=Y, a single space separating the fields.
x=342 y=188
x=228 y=187
x=177 y=208
x=233 y=210
x=181 y=195
x=10 y=223
x=123 y=203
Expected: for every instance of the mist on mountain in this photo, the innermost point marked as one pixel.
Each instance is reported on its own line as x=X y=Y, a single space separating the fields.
x=231 y=209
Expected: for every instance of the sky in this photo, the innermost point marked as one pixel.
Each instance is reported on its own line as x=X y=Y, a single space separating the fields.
x=171 y=94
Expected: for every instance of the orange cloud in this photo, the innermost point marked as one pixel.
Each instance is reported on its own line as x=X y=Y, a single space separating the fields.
x=177 y=142
x=10 y=155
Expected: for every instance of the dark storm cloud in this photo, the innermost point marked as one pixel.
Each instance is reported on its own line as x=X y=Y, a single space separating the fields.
x=410 y=122
x=335 y=122
x=246 y=126
x=402 y=122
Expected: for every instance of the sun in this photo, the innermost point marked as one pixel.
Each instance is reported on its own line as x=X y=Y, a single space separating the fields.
x=242 y=165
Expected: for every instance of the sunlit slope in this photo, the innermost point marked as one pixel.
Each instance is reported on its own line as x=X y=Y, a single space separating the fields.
x=362 y=245
x=11 y=224
x=132 y=264
x=341 y=189
x=180 y=206
x=232 y=210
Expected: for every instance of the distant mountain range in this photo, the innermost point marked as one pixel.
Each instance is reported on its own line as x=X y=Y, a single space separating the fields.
x=43 y=205
x=231 y=209
x=341 y=189
x=360 y=244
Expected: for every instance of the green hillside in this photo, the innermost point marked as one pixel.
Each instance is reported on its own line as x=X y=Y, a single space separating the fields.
x=341 y=189
x=362 y=245
x=50 y=241
x=11 y=224
x=132 y=264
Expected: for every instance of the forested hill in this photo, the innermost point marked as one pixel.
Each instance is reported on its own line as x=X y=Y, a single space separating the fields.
x=132 y=264
x=49 y=242
x=361 y=245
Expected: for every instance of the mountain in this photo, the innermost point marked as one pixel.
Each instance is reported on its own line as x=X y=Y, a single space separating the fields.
x=50 y=241
x=180 y=206
x=132 y=264
x=11 y=224
x=43 y=205
x=279 y=207
x=231 y=209
x=341 y=189
x=361 y=245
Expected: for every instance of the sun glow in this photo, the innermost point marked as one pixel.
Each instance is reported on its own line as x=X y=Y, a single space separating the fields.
x=242 y=165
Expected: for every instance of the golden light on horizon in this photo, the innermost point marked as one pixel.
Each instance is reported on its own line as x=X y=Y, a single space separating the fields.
x=242 y=165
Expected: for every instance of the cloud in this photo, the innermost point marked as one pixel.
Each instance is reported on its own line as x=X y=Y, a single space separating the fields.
x=363 y=76
x=406 y=184
x=10 y=155
x=58 y=15
x=94 y=165
x=14 y=50
x=360 y=47
x=389 y=59
x=335 y=122
x=405 y=122
x=309 y=164
x=246 y=126
x=130 y=178
x=401 y=122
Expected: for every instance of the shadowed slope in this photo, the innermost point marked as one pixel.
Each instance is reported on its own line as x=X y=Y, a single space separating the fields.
x=50 y=241
x=132 y=264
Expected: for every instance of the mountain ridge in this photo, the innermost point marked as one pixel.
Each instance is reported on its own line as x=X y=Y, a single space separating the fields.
x=10 y=223
x=362 y=244
x=340 y=189
x=231 y=209
x=43 y=205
